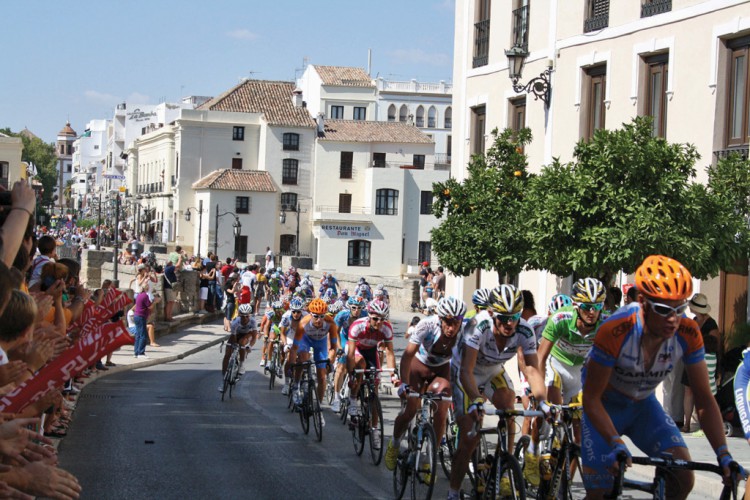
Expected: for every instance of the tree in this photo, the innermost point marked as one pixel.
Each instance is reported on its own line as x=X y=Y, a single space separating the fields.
x=44 y=157
x=483 y=215
x=628 y=195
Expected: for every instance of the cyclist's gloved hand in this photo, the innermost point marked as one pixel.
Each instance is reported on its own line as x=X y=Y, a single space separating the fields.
x=476 y=406
x=403 y=389
x=618 y=446
x=725 y=460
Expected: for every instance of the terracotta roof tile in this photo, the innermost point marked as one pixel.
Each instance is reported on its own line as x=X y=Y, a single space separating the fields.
x=344 y=76
x=272 y=98
x=237 y=180
x=367 y=131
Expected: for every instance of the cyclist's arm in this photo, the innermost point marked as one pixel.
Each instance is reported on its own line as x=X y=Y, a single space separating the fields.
x=468 y=382
x=595 y=383
x=351 y=348
x=409 y=353
x=390 y=357
x=709 y=415
x=545 y=348
x=534 y=376
x=333 y=332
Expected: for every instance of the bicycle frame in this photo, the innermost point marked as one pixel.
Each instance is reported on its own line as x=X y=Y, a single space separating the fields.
x=562 y=448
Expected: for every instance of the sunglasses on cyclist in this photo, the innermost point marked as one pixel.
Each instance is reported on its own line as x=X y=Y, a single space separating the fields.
x=296 y=312
x=589 y=306
x=665 y=310
x=317 y=316
x=507 y=318
x=376 y=319
x=355 y=307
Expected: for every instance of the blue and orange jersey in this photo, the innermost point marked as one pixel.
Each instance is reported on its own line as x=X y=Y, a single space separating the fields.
x=618 y=345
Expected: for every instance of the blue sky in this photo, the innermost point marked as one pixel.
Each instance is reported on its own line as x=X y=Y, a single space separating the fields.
x=76 y=60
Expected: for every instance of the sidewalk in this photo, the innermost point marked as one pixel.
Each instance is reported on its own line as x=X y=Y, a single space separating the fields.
x=189 y=334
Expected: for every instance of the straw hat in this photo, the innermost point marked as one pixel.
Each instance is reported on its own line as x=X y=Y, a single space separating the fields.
x=699 y=304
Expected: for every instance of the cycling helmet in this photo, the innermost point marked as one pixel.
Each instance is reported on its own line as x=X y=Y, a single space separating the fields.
x=306 y=275
x=451 y=307
x=345 y=292
x=380 y=286
x=334 y=308
x=245 y=310
x=661 y=277
x=362 y=280
x=317 y=306
x=276 y=305
x=507 y=299
x=279 y=270
x=296 y=304
x=275 y=276
x=482 y=297
x=378 y=307
x=558 y=301
x=378 y=293
x=588 y=290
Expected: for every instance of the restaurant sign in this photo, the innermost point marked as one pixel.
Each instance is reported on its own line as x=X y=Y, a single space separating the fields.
x=346 y=231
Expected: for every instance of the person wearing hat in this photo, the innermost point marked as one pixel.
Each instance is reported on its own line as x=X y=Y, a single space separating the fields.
x=700 y=308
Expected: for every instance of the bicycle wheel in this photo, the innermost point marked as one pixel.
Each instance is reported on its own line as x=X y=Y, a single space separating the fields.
x=226 y=383
x=274 y=357
x=480 y=466
x=506 y=479
x=304 y=415
x=314 y=408
x=425 y=463
x=401 y=474
x=376 y=410
x=328 y=396
x=359 y=425
x=448 y=444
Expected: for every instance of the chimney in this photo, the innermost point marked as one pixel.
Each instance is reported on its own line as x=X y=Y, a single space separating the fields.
x=297 y=98
x=321 y=124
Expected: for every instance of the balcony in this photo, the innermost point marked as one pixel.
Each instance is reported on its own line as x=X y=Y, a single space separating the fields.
x=742 y=151
x=521 y=28
x=653 y=7
x=331 y=213
x=598 y=16
x=481 y=43
x=442 y=160
x=438 y=165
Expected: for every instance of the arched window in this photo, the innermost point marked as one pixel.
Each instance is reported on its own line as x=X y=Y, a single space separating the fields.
x=386 y=202
x=448 y=117
x=289 y=171
x=403 y=113
x=420 y=117
x=392 y=113
x=359 y=253
x=432 y=117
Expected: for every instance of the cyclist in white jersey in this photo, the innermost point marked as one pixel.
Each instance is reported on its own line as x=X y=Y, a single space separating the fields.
x=243 y=329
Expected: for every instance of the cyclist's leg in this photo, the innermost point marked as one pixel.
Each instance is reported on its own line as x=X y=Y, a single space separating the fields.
x=355 y=382
x=320 y=353
x=500 y=391
x=372 y=360
x=416 y=382
x=227 y=353
x=440 y=385
x=243 y=341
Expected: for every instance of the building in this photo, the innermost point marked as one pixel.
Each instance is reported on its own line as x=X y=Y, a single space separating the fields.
x=683 y=62
x=11 y=167
x=64 y=150
x=372 y=197
x=88 y=160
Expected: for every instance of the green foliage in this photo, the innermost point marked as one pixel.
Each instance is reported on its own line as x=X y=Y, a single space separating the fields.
x=483 y=215
x=44 y=157
x=86 y=223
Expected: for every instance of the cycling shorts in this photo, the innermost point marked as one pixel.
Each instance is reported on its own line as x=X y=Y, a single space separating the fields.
x=491 y=377
x=563 y=377
x=370 y=356
x=643 y=421
x=319 y=347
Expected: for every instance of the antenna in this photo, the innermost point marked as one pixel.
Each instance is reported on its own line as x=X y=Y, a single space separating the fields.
x=305 y=62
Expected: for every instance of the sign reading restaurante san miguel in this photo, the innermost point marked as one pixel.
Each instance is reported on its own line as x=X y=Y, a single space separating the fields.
x=343 y=231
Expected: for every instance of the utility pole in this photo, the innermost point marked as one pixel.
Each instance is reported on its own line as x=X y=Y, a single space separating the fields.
x=117 y=238
x=99 y=224
x=200 y=224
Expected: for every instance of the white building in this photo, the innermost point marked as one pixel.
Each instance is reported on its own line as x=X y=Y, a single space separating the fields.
x=89 y=156
x=64 y=151
x=372 y=197
x=682 y=62
x=11 y=149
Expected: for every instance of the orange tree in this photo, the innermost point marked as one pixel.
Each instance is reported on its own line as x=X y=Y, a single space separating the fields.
x=482 y=216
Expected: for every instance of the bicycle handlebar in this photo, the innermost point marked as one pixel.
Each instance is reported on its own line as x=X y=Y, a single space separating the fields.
x=430 y=396
x=374 y=370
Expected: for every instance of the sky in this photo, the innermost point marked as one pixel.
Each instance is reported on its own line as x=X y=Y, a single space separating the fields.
x=76 y=60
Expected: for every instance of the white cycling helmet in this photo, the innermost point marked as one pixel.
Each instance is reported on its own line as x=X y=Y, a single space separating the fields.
x=451 y=307
x=378 y=307
x=245 y=310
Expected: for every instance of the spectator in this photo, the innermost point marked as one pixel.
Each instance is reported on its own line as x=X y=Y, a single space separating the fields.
x=631 y=295
x=142 y=310
x=231 y=289
x=529 y=305
x=205 y=278
x=170 y=278
x=613 y=299
x=269 y=259
x=47 y=253
x=412 y=327
x=422 y=283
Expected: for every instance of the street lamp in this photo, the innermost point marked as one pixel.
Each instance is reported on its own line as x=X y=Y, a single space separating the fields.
x=540 y=87
x=282 y=219
x=236 y=229
x=200 y=221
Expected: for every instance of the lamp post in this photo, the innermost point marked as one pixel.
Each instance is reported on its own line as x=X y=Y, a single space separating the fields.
x=236 y=226
x=200 y=222
x=540 y=86
x=117 y=237
x=282 y=219
x=99 y=222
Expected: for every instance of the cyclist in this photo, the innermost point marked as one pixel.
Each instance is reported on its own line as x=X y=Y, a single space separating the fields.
x=314 y=331
x=425 y=365
x=363 y=289
x=344 y=319
x=270 y=325
x=488 y=341
x=381 y=292
x=362 y=352
x=481 y=299
x=289 y=322
x=274 y=286
x=244 y=329
x=742 y=393
x=633 y=352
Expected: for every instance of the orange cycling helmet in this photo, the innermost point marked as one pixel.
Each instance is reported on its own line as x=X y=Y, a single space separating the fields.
x=661 y=277
x=317 y=306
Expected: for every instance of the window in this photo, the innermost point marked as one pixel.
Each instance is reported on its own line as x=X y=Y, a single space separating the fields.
x=656 y=90
x=291 y=142
x=238 y=133
x=448 y=117
x=420 y=116
x=738 y=112
x=425 y=251
x=337 y=112
x=346 y=169
x=240 y=248
x=517 y=114
x=481 y=33
x=359 y=253
x=96 y=146
x=287 y=244
x=653 y=7
x=345 y=203
x=478 y=120
x=360 y=113
x=378 y=160
x=289 y=171
x=432 y=117
x=70 y=149
x=521 y=24
x=418 y=161
x=386 y=202
x=597 y=15
x=425 y=203
x=592 y=100
x=289 y=202
x=403 y=113
x=4 y=174
x=236 y=163
x=392 y=113
x=242 y=204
